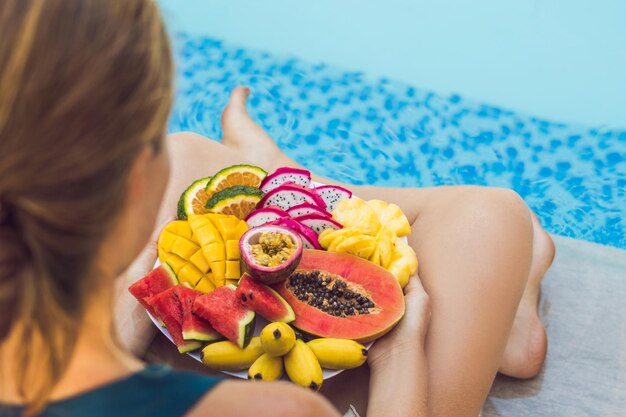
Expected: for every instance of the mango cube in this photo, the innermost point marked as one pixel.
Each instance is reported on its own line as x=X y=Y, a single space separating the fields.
x=205 y=285
x=232 y=250
x=232 y=270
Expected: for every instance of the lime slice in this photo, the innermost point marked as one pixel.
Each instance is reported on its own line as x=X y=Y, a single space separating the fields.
x=239 y=201
x=246 y=175
x=193 y=199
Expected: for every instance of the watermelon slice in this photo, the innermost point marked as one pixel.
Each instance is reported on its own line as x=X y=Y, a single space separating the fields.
x=158 y=280
x=263 y=300
x=194 y=327
x=169 y=309
x=226 y=314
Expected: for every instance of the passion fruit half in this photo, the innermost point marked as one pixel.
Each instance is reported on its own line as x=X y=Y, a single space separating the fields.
x=270 y=253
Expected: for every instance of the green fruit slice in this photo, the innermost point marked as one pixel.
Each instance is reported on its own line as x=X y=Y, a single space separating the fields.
x=239 y=201
x=193 y=199
x=246 y=175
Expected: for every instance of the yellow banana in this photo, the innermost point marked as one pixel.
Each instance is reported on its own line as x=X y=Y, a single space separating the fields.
x=303 y=367
x=277 y=338
x=226 y=356
x=266 y=368
x=338 y=353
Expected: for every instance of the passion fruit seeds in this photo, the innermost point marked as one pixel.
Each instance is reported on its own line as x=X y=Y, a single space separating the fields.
x=270 y=253
x=274 y=249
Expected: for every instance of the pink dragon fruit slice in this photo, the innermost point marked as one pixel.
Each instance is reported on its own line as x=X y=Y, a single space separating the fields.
x=265 y=215
x=307 y=208
x=332 y=195
x=309 y=237
x=289 y=195
x=318 y=223
x=283 y=175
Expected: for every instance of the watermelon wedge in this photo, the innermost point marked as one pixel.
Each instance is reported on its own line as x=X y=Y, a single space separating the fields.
x=157 y=281
x=263 y=300
x=226 y=314
x=168 y=308
x=194 y=327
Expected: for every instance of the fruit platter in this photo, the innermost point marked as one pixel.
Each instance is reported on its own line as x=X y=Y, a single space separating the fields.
x=277 y=276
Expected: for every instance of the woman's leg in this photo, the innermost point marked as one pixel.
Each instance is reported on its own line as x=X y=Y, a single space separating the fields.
x=480 y=255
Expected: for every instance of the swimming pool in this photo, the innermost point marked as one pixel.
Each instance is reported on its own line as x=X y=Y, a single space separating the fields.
x=361 y=128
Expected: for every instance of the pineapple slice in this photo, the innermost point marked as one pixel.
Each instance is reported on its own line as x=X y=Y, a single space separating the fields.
x=391 y=216
x=404 y=262
x=384 y=245
x=362 y=246
x=356 y=212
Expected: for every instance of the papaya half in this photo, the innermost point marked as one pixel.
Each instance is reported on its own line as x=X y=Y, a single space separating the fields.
x=342 y=296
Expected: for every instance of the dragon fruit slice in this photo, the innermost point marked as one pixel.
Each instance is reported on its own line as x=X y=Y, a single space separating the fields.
x=289 y=195
x=265 y=215
x=332 y=195
x=308 y=236
x=318 y=223
x=307 y=208
x=283 y=175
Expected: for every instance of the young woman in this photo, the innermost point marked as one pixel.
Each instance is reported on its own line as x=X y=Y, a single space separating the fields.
x=85 y=92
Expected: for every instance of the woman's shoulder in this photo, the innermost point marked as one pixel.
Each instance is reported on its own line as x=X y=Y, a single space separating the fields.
x=262 y=399
x=155 y=391
x=181 y=384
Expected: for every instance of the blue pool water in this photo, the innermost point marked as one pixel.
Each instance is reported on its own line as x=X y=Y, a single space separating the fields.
x=361 y=129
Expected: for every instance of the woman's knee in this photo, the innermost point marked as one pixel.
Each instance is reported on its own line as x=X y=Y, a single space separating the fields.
x=485 y=212
x=502 y=216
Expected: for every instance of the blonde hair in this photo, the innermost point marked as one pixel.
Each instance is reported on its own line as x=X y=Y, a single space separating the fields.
x=84 y=85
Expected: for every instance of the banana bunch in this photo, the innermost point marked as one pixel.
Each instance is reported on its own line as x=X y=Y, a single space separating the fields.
x=277 y=351
x=371 y=231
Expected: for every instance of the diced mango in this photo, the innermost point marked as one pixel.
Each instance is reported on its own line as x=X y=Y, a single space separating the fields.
x=205 y=285
x=199 y=261
x=203 y=251
x=166 y=240
x=203 y=229
x=174 y=261
x=211 y=278
x=207 y=234
x=180 y=228
x=242 y=228
x=214 y=252
x=184 y=248
x=232 y=250
x=219 y=272
x=232 y=270
x=226 y=224
x=189 y=274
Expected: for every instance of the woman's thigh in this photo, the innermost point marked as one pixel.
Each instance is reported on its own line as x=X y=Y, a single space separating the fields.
x=475 y=250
